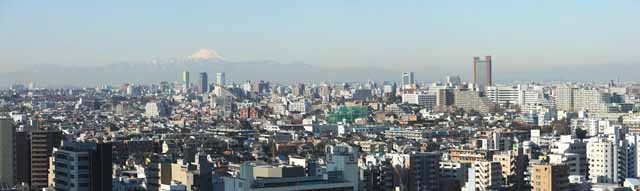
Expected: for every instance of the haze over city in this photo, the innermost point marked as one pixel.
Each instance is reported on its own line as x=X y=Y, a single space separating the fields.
x=530 y=40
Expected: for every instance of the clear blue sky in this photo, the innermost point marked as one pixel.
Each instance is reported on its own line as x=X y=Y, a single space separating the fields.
x=407 y=34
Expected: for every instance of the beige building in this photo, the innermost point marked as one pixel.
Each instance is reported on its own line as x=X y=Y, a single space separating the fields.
x=550 y=177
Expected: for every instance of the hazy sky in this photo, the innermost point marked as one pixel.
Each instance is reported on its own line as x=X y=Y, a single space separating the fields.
x=406 y=34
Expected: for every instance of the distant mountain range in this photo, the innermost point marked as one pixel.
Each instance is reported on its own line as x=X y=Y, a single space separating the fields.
x=211 y=62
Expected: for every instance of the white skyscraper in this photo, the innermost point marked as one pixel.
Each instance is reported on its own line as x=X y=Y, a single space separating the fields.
x=186 y=82
x=407 y=79
x=220 y=79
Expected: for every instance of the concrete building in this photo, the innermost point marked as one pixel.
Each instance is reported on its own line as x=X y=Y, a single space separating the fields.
x=247 y=181
x=514 y=95
x=453 y=175
x=424 y=171
x=472 y=100
x=42 y=144
x=429 y=101
x=609 y=158
x=82 y=166
x=7 y=130
x=574 y=99
x=572 y=152
x=484 y=176
x=550 y=177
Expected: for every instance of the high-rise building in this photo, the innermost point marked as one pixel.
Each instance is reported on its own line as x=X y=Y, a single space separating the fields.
x=407 y=80
x=574 y=99
x=482 y=72
x=186 y=82
x=203 y=84
x=22 y=143
x=220 y=79
x=424 y=171
x=42 y=144
x=205 y=168
x=7 y=131
x=611 y=159
x=82 y=166
x=550 y=177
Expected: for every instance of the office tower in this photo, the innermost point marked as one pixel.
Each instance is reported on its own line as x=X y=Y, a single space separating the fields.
x=23 y=158
x=482 y=72
x=424 y=171
x=407 y=79
x=42 y=144
x=7 y=131
x=550 y=177
x=203 y=84
x=220 y=79
x=205 y=168
x=185 y=81
x=82 y=166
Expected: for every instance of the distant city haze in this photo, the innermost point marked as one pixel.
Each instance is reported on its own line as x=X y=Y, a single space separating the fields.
x=55 y=42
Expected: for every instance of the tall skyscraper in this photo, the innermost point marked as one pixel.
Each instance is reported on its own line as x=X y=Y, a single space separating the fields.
x=186 y=82
x=220 y=79
x=6 y=150
x=203 y=84
x=482 y=72
x=22 y=143
x=407 y=79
